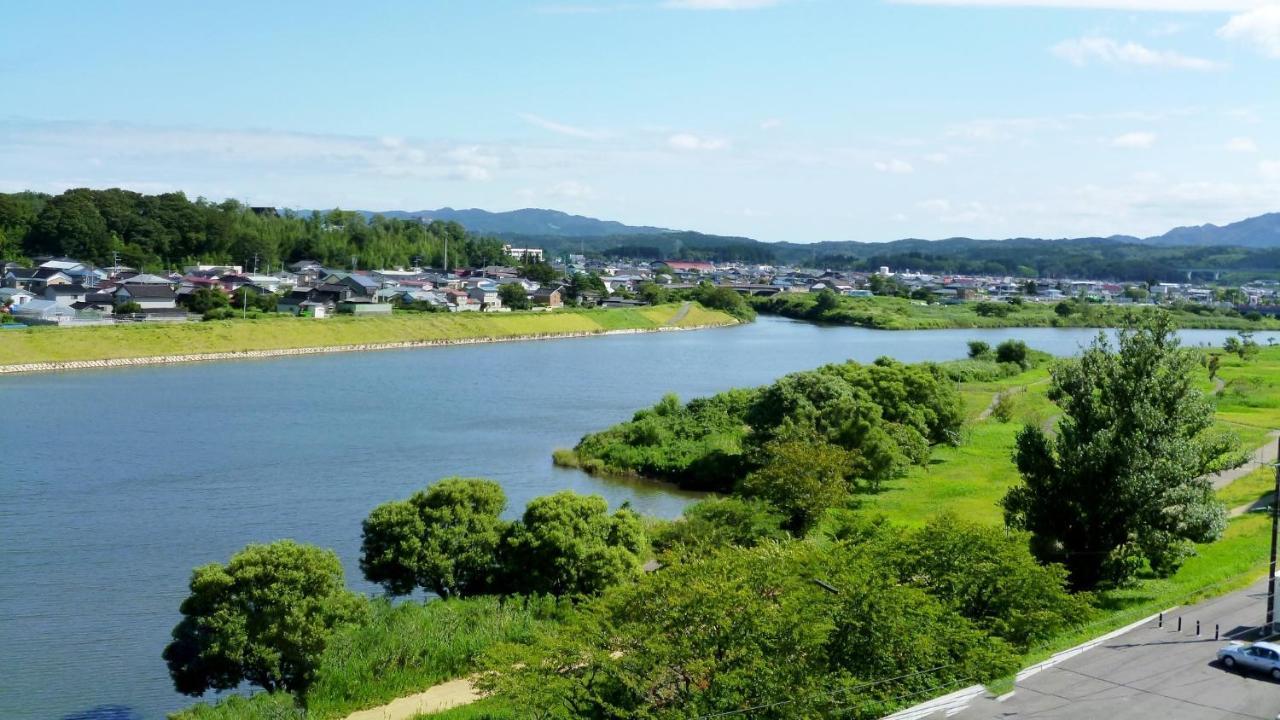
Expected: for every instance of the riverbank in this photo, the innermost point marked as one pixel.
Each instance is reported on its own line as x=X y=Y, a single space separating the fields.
x=894 y=313
x=50 y=348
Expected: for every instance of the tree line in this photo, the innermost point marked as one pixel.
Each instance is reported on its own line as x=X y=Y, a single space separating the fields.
x=166 y=231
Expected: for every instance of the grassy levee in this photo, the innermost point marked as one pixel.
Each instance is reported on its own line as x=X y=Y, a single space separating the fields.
x=894 y=313
x=54 y=344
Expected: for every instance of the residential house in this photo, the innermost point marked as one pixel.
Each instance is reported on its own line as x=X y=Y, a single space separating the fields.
x=44 y=312
x=66 y=294
x=487 y=295
x=147 y=296
x=14 y=296
x=35 y=280
x=98 y=303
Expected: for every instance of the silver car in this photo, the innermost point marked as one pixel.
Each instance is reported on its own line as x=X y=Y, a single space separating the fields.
x=1260 y=657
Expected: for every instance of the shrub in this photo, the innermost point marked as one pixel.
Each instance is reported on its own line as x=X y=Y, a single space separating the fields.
x=979 y=350
x=1013 y=351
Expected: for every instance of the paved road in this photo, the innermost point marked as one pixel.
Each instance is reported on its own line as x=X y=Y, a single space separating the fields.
x=1150 y=673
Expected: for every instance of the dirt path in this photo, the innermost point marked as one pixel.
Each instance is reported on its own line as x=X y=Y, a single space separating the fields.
x=680 y=314
x=435 y=699
x=1264 y=455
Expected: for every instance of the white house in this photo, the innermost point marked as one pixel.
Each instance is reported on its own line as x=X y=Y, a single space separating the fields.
x=14 y=296
x=44 y=312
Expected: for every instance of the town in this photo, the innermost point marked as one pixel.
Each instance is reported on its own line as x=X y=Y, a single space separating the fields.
x=69 y=292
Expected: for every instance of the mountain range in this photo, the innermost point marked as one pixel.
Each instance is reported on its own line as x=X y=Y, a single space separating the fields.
x=555 y=228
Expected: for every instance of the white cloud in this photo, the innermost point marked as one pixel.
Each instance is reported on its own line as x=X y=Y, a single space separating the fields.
x=1085 y=50
x=771 y=124
x=938 y=158
x=894 y=167
x=1259 y=27
x=1134 y=140
x=562 y=129
x=719 y=4
x=966 y=213
x=689 y=141
x=1143 y=5
x=1270 y=169
x=1242 y=145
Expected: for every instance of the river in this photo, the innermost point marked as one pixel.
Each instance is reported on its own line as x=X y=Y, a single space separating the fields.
x=114 y=484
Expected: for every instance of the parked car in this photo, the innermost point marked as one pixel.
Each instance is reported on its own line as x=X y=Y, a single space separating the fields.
x=1260 y=657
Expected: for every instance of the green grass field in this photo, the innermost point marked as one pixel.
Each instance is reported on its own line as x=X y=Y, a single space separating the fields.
x=894 y=313
x=54 y=344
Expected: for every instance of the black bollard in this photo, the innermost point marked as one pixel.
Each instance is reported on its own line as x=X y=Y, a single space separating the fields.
x=1160 y=622
x=1197 y=628
x=1215 y=631
x=1179 y=623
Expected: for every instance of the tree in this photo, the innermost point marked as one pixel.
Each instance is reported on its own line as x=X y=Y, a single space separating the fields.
x=569 y=544
x=513 y=295
x=1013 y=351
x=1122 y=483
x=720 y=522
x=827 y=301
x=1244 y=345
x=979 y=350
x=71 y=224
x=205 y=299
x=802 y=477
x=263 y=618
x=444 y=539
x=540 y=272
x=653 y=293
x=1136 y=293
x=128 y=307
x=1064 y=309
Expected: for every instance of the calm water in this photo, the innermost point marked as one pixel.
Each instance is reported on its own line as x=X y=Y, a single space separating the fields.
x=114 y=484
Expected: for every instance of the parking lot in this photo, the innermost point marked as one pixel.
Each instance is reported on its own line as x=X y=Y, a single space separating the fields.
x=1156 y=673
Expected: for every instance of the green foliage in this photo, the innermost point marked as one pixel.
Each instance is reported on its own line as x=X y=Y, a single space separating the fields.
x=750 y=628
x=1121 y=483
x=1066 y=308
x=128 y=308
x=1243 y=345
x=987 y=575
x=264 y=618
x=718 y=297
x=514 y=296
x=260 y=706
x=163 y=231
x=220 y=313
x=884 y=416
x=1015 y=352
x=443 y=539
x=979 y=350
x=993 y=309
x=205 y=299
x=569 y=544
x=717 y=523
x=653 y=293
x=540 y=272
x=406 y=647
x=802 y=477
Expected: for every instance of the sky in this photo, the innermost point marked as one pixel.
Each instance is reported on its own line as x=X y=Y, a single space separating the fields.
x=798 y=120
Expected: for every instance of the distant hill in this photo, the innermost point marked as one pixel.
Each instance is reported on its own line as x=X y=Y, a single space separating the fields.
x=1257 y=232
x=529 y=221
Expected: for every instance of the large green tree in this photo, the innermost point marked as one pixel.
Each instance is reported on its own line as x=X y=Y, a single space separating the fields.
x=1121 y=483
x=443 y=539
x=264 y=618
x=570 y=544
x=802 y=477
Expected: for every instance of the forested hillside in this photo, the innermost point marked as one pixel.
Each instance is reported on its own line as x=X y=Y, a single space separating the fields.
x=165 y=231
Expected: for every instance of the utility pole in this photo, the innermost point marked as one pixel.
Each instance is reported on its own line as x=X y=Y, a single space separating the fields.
x=1271 y=576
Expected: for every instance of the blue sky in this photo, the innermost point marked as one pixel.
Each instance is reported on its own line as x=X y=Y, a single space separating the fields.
x=779 y=119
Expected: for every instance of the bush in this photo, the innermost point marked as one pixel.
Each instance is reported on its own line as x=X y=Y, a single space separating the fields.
x=128 y=308
x=993 y=309
x=219 y=313
x=979 y=350
x=1013 y=351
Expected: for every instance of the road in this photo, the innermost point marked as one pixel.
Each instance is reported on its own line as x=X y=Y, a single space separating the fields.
x=1150 y=673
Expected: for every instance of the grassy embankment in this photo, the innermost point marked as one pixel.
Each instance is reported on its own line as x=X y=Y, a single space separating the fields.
x=54 y=344
x=893 y=313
